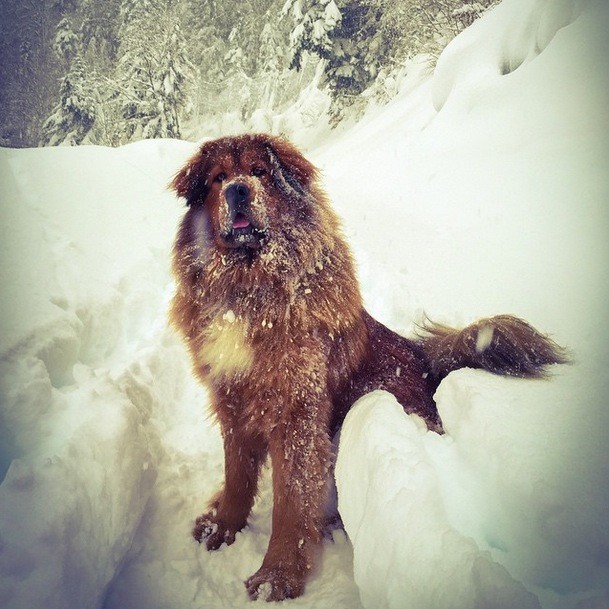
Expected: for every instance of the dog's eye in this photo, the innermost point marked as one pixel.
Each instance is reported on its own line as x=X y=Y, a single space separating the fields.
x=258 y=171
x=220 y=177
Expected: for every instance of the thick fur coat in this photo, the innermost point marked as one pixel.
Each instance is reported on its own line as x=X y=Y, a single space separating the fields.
x=269 y=305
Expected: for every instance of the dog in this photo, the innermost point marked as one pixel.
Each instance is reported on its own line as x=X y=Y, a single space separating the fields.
x=269 y=306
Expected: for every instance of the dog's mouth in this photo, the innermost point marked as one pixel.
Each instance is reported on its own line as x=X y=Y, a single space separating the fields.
x=244 y=232
x=241 y=221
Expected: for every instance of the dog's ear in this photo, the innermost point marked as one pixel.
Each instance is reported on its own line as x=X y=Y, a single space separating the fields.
x=191 y=181
x=292 y=170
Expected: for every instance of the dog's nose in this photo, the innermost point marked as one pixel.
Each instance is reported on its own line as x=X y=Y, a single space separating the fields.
x=237 y=195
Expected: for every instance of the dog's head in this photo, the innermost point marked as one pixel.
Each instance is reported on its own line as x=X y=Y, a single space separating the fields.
x=243 y=190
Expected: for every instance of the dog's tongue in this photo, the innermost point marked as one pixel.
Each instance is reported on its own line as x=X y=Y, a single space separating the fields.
x=240 y=221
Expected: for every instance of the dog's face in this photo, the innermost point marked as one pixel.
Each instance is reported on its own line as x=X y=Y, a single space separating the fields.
x=244 y=191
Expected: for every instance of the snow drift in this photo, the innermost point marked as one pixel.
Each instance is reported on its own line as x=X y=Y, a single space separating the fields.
x=481 y=191
x=502 y=210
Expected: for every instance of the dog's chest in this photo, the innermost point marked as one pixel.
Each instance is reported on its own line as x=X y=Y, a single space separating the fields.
x=225 y=349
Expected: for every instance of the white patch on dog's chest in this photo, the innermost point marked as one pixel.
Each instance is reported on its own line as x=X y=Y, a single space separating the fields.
x=225 y=347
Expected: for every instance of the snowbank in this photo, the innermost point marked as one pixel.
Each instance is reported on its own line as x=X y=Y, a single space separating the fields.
x=481 y=191
x=84 y=245
x=507 y=510
x=394 y=509
x=498 y=205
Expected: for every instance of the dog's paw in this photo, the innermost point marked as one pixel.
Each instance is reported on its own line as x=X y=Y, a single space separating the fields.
x=275 y=584
x=211 y=530
x=333 y=528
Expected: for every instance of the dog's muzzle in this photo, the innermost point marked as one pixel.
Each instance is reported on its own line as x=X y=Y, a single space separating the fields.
x=244 y=230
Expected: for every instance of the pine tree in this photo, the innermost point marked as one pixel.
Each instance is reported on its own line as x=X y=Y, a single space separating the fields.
x=67 y=43
x=270 y=64
x=344 y=36
x=174 y=72
x=29 y=70
x=153 y=70
x=99 y=33
x=74 y=115
x=358 y=53
x=314 y=21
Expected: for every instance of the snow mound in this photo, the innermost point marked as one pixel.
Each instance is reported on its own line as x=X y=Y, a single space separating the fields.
x=81 y=257
x=389 y=475
x=513 y=33
x=493 y=204
x=506 y=510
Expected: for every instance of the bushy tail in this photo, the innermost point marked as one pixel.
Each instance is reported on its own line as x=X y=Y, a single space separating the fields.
x=502 y=344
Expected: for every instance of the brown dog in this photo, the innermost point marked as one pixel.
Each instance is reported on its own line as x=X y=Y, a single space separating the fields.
x=268 y=302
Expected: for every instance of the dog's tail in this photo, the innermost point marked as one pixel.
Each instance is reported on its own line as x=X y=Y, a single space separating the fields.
x=503 y=344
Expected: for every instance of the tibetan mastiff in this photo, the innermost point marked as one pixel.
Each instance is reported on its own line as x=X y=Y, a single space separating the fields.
x=268 y=303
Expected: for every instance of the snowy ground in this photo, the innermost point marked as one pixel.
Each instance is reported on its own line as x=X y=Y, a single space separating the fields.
x=483 y=189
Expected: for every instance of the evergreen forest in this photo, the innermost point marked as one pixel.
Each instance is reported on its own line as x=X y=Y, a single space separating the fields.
x=114 y=71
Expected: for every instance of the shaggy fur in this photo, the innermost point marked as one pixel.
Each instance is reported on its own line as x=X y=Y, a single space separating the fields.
x=268 y=303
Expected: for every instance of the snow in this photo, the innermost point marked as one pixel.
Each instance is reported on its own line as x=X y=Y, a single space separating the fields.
x=414 y=555
x=502 y=210
x=507 y=500
x=480 y=190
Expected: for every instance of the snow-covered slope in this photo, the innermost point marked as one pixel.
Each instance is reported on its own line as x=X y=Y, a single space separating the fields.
x=497 y=203
x=483 y=190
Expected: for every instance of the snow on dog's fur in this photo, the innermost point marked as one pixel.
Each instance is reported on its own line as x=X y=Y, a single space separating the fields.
x=269 y=305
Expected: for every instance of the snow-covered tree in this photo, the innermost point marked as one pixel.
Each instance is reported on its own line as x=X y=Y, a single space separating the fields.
x=270 y=64
x=99 y=33
x=74 y=114
x=153 y=71
x=412 y=27
x=361 y=41
x=67 y=43
x=176 y=71
x=344 y=36
x=314 y=22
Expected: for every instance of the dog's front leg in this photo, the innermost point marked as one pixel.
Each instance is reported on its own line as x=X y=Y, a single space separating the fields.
x=229 y=509
x=300 y=451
